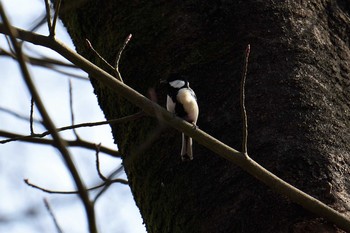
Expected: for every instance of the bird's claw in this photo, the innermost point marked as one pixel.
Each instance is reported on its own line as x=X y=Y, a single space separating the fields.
x=194 y=126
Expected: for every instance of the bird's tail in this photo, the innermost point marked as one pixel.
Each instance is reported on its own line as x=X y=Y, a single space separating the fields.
x=186 y=150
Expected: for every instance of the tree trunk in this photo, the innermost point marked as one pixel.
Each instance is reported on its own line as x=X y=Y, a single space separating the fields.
x=297 y=98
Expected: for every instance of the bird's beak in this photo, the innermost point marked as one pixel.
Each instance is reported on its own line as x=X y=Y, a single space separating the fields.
x=162 y=81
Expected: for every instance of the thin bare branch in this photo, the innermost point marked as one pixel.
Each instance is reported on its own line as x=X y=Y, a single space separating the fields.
x=31 y=118
x=37 y=23
x=121 y=181
x=40 y=61
x=55 y=191
x=72 y=143
x=48 y=14
x=90 y=124
x=117 y=60
x=48 y=207
x=242 y=98
x=54 y=22
x=18 y=115
x=98 y=147
x=48 y=63
x=70 y=75
x=119 y=57
x=99 y=56
x=60 y=144
x=9 y=44
x=109 y=181
x=71 y=107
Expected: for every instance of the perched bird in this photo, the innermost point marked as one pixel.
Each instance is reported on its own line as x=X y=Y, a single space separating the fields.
x=182 y=101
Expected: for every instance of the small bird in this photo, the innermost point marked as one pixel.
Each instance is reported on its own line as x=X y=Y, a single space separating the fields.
x=182 y=101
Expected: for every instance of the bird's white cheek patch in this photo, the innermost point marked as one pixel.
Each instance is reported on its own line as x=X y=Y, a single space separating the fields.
x=177 y=83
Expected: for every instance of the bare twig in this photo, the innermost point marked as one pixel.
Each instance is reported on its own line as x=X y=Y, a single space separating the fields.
x=38 y=22
x=121 y=181
x=48 y=63
x=18 y=115
x=55 y=191
x=41 y=61
x=90 y=124
x=119 y=76
x=72 y=143
x=9 y=44
x=109 y=181
x=48 y=14
x=48 y=207
x=60 y=144
x=31 y=118
x=70 y=75
x=244 y=112
x=99 y=56
x=223 y=150
x=71 y=108
x=98 y=163
x=53 y=27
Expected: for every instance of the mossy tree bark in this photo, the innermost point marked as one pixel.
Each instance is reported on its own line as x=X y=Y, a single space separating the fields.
x=297 y=97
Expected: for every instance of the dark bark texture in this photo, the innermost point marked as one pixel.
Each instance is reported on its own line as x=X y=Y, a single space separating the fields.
x=297 y=98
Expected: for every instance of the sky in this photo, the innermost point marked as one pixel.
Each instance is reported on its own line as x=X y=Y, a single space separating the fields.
x=22 y=208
